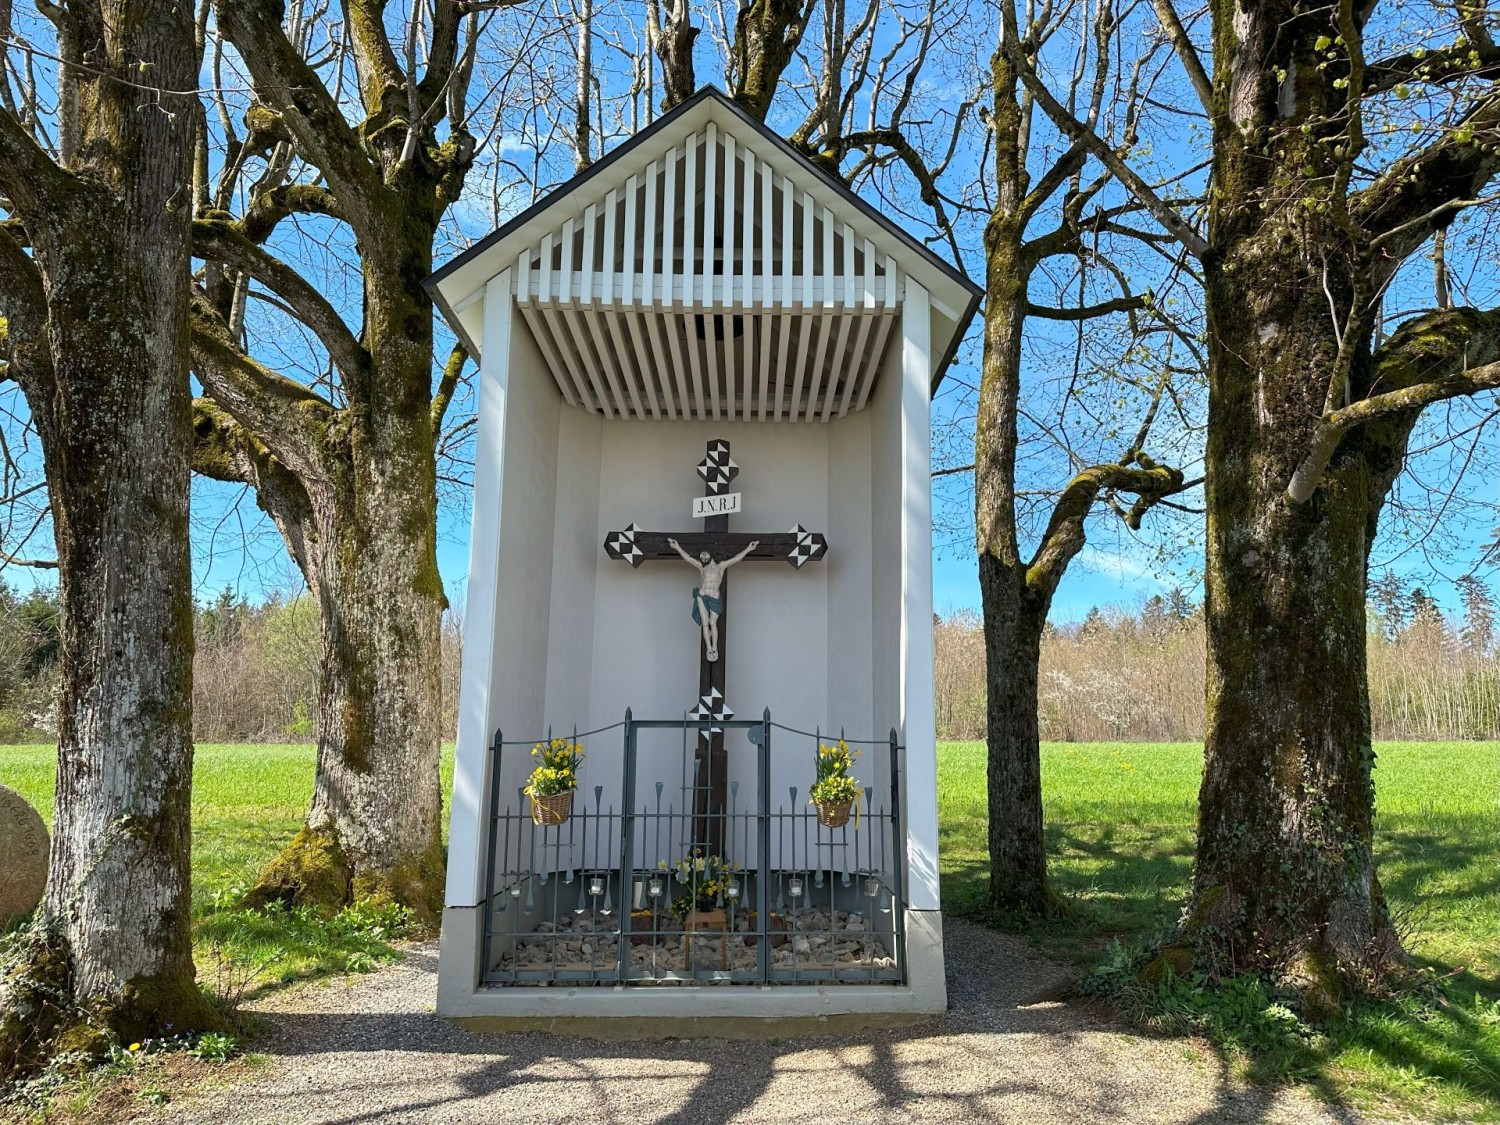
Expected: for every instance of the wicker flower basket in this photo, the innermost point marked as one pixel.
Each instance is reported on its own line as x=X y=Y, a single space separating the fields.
x=549 y=812
x=833 y=814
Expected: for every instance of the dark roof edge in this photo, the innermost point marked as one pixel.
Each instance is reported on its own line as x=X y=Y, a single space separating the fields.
x=704 y=94
x=940 y=368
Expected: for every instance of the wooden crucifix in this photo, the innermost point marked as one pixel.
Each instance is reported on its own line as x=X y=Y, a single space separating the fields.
x=713 y=550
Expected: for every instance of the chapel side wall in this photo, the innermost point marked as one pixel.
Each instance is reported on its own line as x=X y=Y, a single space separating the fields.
x=471 y=781
x=523 y=631
x=576 y=548
x=853 y=635
x=886 y=469
x=918 y=717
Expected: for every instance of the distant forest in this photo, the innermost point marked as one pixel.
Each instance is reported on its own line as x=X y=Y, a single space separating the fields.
x=255 y=671
x=1137 y=675
x=1119 y=675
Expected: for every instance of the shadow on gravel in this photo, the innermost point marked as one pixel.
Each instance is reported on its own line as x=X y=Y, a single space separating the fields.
x=1009 y=1049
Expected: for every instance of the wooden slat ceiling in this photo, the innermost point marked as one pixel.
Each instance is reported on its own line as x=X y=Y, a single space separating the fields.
x=710 y=288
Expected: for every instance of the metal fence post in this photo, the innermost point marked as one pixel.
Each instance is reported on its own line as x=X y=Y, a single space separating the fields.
x=488 y=913
x=763 y=866
x=627 y=852
x=898 y=872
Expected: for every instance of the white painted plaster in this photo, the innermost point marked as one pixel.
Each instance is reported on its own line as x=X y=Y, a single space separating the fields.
x=470 y=765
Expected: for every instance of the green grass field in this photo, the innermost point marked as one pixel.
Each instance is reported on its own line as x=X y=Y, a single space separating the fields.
x=1120 y=837
x=1119 y=824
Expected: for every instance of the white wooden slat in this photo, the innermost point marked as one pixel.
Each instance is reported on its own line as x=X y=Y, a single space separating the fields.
x=611 y=205
x=586 y=275
x=594 y=346
x=840 y=361
x=826 y=326
x=705 y=293
x=731 y=365
x=567 y=263
x=868 y=281
x=828 y=268
x=806 y=324
x=724 y=281
x=644 y=367
x=747 y=227
x=668 y=324
x=767 y=229
x=672 y=398
x=765 y=325
x=669 y=229
x=890 y=282
x=562 y=375
x=807 y=249
x=856 y=357
x=648 y=256
x=747 y=270
x=560 y=321
x=471 y=300
x=848 y=286
x=690 y=221
x=523 y=275
x=544 y=275
x=724 y=276
x=612 y=338
x=877 y=353
x=629 y=243
x=711 y=366
x=695 y=362
x=787 y=321
x=788 y=247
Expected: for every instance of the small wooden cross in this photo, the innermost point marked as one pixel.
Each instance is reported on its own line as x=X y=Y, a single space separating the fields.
x=797 y=546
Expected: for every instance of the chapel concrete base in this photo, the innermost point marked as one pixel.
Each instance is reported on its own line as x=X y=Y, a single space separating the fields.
x=712 y=1011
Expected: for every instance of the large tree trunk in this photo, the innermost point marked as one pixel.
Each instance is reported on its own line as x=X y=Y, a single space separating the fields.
x=114 y=934
x=1013 y=624
x=367 y=544
x=1014 y=614
x=1285 y=875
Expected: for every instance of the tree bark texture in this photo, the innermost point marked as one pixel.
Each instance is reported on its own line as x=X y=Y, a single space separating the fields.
x=766 y=36
x=1285 y=878
x=1014 y=612
x=672 y=35
x=352 y=488
x=110 y=397
x=1014 y=618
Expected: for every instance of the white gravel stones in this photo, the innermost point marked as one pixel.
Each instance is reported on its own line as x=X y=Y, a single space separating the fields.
x=370 y=1051
x=816 y=943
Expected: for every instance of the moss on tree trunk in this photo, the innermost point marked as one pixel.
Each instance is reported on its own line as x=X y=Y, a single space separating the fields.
x=1285 y=878
x=111 y=952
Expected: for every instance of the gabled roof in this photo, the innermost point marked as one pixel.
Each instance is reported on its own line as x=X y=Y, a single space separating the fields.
x=849 y=228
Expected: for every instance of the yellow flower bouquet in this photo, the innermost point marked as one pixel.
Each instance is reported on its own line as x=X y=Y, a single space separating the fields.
x=553 y=781
x=835 y=793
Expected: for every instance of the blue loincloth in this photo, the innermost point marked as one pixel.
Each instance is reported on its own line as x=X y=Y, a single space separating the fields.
x=713 y=604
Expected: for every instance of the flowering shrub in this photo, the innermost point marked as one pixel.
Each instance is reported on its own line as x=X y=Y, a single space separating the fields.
x=834 y=786
x=708 y=877
x=556 y=769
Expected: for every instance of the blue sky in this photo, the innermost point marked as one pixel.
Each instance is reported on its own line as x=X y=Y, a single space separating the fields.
x=235 y=545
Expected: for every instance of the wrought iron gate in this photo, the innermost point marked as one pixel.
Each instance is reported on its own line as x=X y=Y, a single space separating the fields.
x=654 y=885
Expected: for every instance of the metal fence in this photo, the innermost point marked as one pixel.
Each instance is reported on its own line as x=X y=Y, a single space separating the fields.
x=756 y=891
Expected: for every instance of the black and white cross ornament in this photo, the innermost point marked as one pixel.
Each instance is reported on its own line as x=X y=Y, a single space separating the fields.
x=713 y=706
x=718 y=468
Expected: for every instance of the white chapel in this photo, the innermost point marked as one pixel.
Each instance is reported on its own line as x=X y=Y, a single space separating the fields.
x=700 y=559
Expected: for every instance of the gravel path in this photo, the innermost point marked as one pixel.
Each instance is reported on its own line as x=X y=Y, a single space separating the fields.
x=370 y=1050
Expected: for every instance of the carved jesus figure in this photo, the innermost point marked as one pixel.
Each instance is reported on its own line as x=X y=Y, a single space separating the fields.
x=708 y=601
